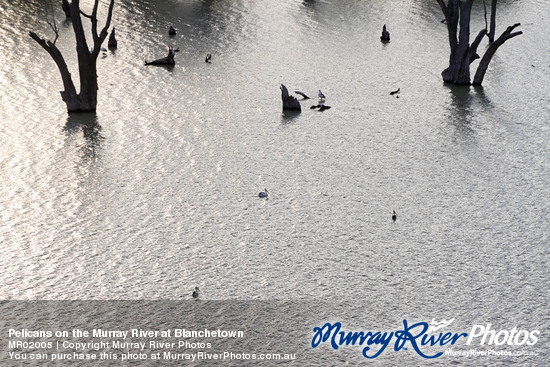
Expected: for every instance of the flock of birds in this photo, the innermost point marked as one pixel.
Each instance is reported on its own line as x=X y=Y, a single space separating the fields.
x=321 y=106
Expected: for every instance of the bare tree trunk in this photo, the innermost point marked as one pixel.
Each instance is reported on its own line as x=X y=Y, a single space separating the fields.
x=458 y=12
x=462 y=60
x=457 y=15
x=66 y=8
x=86 y=99
x=491 y=33
x=486 y=59
x=69 y=95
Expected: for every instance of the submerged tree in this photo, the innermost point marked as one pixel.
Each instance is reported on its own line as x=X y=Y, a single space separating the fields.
x=457 y=16
x=86 y=99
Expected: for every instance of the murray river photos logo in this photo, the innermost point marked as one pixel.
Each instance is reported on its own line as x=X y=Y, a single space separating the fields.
x=420 y=337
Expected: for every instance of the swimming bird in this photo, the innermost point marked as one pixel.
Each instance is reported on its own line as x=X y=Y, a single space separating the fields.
x=172 y=31
x=302 y=94
x=321 y=95
x=263 y=194
x=395 y=91
x=208 y=58
x=196 y=292
x=394 y=216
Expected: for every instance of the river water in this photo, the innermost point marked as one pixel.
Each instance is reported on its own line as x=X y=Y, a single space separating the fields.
x=157 y=192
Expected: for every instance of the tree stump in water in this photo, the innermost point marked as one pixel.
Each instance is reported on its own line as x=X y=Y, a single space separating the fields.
x=168 y=60
x=385 y=34
x=289 y=102
x=112 y=40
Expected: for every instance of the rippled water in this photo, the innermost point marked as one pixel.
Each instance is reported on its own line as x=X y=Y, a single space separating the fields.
x=157 y=192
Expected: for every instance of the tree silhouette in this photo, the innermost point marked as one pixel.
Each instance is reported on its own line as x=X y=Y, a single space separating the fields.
x=457 y=17
x=86 y=99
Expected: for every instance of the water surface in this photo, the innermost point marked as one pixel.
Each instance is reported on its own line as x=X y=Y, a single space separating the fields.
x=156 y=193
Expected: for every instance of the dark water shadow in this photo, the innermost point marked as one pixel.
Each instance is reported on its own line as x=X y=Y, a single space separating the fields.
x=289 y=116
x=459 y=106
x=67 y=23
x=87 y=124
x=466 y=104
x=482 y=98
x=169 y=68
x=460 y=114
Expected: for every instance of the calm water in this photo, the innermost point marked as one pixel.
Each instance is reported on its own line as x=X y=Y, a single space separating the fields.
x=157 y=192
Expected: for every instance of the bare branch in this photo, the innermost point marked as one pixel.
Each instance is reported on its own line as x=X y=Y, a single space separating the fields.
x=105 y=29
x=52 y=23
x=486 y=59
x=85 y=15
x=485 y=14
x=472 y=52
x=94 y=22
x=443 y=7
x=491 y=33
x=507 y=34
x=61 y=64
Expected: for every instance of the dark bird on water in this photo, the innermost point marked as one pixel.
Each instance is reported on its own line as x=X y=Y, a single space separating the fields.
x=208 y=58
x=263 y=194
x=394 y=216
x=196 y=292
x=172 y=31
x=301 y=93
x=395 y=91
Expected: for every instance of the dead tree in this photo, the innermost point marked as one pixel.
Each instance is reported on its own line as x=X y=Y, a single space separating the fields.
x=112 y=43
x=86 y=99
x=168 y=60
x=457 y=18
x=385 y=34
x=289 y=102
